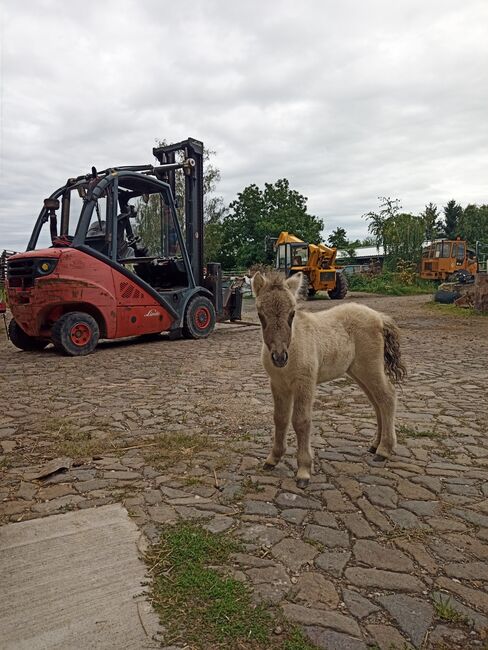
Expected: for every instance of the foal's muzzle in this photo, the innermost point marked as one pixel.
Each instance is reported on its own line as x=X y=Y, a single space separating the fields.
x=280 y=359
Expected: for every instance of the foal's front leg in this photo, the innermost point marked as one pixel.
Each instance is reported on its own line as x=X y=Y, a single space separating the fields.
x=283 y=400
x=302 y=422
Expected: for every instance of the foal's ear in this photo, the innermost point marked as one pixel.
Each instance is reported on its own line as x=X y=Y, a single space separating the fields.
x=257 y=283
x=295 y=282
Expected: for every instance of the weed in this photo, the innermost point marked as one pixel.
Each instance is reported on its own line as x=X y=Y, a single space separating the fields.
x=204 y=605
x=397 y=532
x=446 y=612
x=389 y=284
x=248 y=485
x=319 y=296
x=409 y=432
x=171 y=447
x=453 y=310
x=297 y=641
x=193 y=480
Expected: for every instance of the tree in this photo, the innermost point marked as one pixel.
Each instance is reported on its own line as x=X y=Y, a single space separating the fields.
x=148 y=218
x=388 y=208
x=452 y=215
x=433 y=226
x=403 y=235
x=367 y=241
x=473 y=224
x=258 y=214
x=338 y=238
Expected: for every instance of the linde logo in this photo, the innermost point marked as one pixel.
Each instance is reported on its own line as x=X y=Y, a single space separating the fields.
x=151 y=312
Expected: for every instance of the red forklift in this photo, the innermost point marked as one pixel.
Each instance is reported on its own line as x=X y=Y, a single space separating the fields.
x=122 y=260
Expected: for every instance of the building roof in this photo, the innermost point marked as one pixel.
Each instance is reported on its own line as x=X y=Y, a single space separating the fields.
x=363 y=252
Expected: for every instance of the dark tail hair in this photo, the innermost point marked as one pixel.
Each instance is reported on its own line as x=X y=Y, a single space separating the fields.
x=394 y=367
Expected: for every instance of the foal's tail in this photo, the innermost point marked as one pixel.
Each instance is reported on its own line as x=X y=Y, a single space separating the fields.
x=394 y=367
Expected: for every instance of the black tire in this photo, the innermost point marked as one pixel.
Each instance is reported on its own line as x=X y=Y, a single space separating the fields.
x=446 y=297
x=75 y=334
x=340 y=290
x=199 y=318
x=22 y=340
x=307 y=290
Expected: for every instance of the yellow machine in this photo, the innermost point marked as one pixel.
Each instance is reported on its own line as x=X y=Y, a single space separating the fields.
x=316 y=261
x=443 y=257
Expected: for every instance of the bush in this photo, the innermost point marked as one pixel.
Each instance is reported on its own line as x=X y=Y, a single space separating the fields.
x=388 y=283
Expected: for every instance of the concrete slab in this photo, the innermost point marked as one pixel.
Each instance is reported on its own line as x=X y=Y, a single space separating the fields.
x=74 y=581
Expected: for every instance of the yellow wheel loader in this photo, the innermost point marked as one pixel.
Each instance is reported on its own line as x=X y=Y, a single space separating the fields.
x=315 y=261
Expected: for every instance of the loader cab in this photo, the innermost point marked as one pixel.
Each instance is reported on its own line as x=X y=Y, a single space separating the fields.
x=291 y=257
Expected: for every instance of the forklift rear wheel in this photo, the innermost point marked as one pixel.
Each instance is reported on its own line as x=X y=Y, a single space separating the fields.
x=76 y=333
x=22 y=340
x=199 y=318
x=340 y=290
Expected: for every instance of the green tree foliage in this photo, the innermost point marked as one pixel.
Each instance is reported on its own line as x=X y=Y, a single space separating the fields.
x=400 y=234
x=389 y=208
x=452 y=216
x=433 y=225
x=257 y=214
x=149 y=215
x=338 y=238
x=473 y=224
x=403 y=235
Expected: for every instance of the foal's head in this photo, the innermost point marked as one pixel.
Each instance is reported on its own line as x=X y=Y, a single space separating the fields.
x=276 y=301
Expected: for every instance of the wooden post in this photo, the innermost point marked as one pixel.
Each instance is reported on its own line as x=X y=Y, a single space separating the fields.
x=481 y=292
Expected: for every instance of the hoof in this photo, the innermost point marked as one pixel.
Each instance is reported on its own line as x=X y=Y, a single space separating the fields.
x=378 y=458
x=372 y=449
x=268 y=466
x=302 y=483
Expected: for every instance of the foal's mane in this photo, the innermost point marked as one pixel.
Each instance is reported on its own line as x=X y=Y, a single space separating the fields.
x=275 y=280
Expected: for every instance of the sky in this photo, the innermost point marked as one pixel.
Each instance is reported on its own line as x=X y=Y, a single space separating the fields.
x=348 y=99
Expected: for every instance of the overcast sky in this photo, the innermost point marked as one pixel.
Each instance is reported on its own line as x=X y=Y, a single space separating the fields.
x=348 y=99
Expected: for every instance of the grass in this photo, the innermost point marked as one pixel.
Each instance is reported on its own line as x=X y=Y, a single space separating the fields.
x=320 y=295
x=409 y=432
x=452 y=310
x=446 y=612
x=171 y=447
x=69 y=440
x=200 y=603
x=389 y=284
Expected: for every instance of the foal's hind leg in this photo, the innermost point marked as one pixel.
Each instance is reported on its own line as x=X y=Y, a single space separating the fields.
x=283 y=401
x=376 y=440
x=383 y=394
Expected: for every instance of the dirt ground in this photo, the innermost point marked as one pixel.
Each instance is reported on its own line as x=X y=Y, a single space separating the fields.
x=394 y=556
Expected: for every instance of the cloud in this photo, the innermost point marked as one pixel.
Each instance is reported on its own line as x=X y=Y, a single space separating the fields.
x=349 y=100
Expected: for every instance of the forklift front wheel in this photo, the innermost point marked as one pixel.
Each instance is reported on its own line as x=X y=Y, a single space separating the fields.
x=22 y=340
x=75 y=334
x=199 y=318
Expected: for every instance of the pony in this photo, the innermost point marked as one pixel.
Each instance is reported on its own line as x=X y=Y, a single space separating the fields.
x=302 y=349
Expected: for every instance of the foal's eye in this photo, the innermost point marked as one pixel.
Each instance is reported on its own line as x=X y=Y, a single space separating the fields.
x=262 y=319
x=290 y=318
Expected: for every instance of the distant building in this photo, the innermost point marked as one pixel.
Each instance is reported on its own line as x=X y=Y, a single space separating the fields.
x=365 y=256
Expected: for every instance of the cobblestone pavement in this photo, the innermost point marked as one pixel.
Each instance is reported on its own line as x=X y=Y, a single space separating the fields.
x=359 y=558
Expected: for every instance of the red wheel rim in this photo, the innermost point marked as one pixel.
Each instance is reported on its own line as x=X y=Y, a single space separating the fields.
x=80 y=334
x=202 y=318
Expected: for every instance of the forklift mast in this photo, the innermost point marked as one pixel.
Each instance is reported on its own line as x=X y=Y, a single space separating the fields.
x=167 y=154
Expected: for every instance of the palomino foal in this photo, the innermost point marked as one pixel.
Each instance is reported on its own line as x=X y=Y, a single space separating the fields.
x=302 y=349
